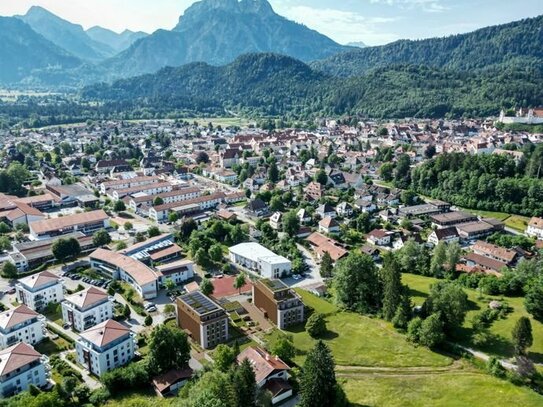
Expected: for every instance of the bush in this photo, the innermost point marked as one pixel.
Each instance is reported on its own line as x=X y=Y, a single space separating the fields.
x=133 y=376
x=99 y=396
x=316 y=325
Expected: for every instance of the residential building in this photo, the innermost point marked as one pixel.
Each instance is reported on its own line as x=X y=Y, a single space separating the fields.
x=446 y=235
x=326 y=210
x=449 y=219
x=492 y=251
x=475 y=230
x=86 y=222
x=276 y=220
x=260 y=260
x=279 y=303
x=38 y=290
x=21 y=325
x=169 y=383
x=535 y=228
x=160 y=213
x=105 y=346
x=204 y=320
x=328 y=225
x=20 y=367
x=258 y=208
x=344 y=209
x=179 y=272
x=87 y=308
x=321 y=244
x=314 y=191
x=379 y=237
x=271 y=373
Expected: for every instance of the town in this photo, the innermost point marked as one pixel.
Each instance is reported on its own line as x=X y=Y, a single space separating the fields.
x=180 y=245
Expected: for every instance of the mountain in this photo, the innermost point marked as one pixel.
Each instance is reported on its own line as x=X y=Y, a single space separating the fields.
x=24 y=51
x=517 y=41
x=275 y=85
x=118 y=42
x=66 y=35
x=217 y=32
x=357 y=44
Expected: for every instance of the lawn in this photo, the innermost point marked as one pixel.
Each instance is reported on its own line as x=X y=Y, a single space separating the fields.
x=516 y=222
x=49 y=347
x=453 y=389
x=220 y=121
x=357 y=340
x=501 y=329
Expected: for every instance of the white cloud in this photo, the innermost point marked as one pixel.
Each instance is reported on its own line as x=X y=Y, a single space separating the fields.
x=429 y=6
x=342 y=26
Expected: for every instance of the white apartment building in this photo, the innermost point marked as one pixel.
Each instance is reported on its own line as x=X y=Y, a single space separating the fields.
x=260 y=260
x=21 y=366
x=535 y=228
x=21 y=325
x=87 y=308
x=38 y=290
x=105 y=346
x=178 y=271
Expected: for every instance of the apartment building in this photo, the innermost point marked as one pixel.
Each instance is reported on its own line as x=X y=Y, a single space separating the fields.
x=178 y=195
x=105 y=346
x=87 y=308
x=86 y=222
x=20 y=367
x=38 y=290
x=535 y=228
x=21 y=325
x=260 y=260
x=204 y=320
x=279 y=303
x=128 y=183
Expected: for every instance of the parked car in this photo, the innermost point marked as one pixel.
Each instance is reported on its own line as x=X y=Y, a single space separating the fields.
x=11 y=290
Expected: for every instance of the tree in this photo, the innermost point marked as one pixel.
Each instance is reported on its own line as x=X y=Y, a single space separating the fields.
x=213 y=389
x=120 y=246
x=385 y=171
x=173 y=217
x=153 y=231
x=201 y=257
x=357 y=284
x=4 y=228
x=9 y=270
x=327 y=265
x=66 y=248
x=402 y=174
x=450 y=302
x=169 y=348
x=101 y=238
x=239 y=282
x=392 y=285
x=321 y=177
x=5 y=243
x=403 y=313
x=273 y=172
x=276 y=204
x=206 y=286
x=169 y=284
x=215 y=253
x=453 y=257
x=148 y=320
x=127 y=311
x=533 y=301
x=431 y=331
x=284 y=349
x=158 y=201
x=522 y=335
x=119 y=206
x=318 y=378
x=413 y=330
x=128 y=226
x=169 y=309
x=202 y=157
x=244 y=383
x=224 y=357
x=291 y=223
x=237 y=235
x=439 y=258
x=316 y=325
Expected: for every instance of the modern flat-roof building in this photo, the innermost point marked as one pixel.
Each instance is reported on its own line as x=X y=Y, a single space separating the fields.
x=118 y=266
x=38 y=290
x=87 y=308
x=281 y=304
x=20 y=367
x=105 y=346
x=86 y=222
x=178 y=271
x=21 y=325
x=260 y=260
x=204 y=320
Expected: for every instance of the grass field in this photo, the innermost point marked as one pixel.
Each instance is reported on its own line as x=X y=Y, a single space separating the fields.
x=356 y=340
x=221 y=121
x=515 y=222
x=454 y=389
x=500 y=345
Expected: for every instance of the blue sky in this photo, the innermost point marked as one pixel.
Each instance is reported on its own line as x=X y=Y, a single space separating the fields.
x=374 y=22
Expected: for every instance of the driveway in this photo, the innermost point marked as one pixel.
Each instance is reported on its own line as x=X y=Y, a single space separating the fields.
x=257 y=316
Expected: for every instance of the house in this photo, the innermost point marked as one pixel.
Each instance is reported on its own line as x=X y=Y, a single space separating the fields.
x=230 y=157
x=105 y=346
x=20 y=367
x=303 y=216
x=276 y=220
x=260 y=260
x=23 y=214
x=257 y=207
x=314 y=191
x=169 y=383
x=492 y=251
x=87 y=308
x=484 y=263
x=325 y=210
x=337 y=179
x=365 y=206
x=344 y=209
x=38 y=290
x=321 y=244
x=179 y=272
x=535 y=228
x=271 y=373
x=281 y=304
x=107 y=166
x=475 y=230
x=205 y=321
x=379 y=237
x=328 y=225
x=446 y=235
x=21 y=325
x=371 y=251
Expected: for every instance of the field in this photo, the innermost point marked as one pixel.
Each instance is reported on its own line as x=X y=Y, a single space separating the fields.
x=515 y=222
x=500 y=345
x=220 y=121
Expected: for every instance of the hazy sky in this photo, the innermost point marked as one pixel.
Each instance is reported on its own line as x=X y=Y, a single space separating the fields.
x=374 y=22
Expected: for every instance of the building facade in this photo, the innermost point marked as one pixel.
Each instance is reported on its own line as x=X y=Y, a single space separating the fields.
x=20 y=367
x=38 y=290
x=21 y=325
x=281 y=304
x=260 y=260
x=87 y=308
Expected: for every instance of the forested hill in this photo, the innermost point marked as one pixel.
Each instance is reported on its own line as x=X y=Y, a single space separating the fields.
x=270 y=84
x=514 y=42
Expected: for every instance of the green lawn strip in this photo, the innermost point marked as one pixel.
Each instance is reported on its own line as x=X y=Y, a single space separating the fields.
x=500 y=345
x=49 y=347
x=517 y=222
x=357 y=340
x=455 y=389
